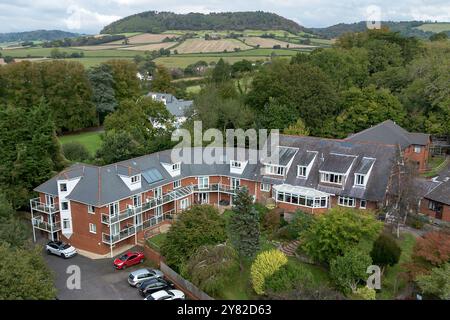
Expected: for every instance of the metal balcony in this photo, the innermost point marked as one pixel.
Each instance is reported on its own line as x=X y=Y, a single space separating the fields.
x=45 y=226
x=43 y=207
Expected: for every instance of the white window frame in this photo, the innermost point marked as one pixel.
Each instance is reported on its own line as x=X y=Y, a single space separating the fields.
x=202 y=184
x=177 y=184
x=135 y=179
x=327 y=177
x=302 y=200
x=361 y=206
x=184 y=204
x=417 y=149
x=359 y=176
x=176 y=166
x=236 y=164
x=61 y=185
x=235 y=183
x=91 y=209
x=302 y=168
x=93 y=228
x=62 y=205
x=345 y=202
x=265 y=187
x=64 y=222
x=115 y=207
x=275 y=170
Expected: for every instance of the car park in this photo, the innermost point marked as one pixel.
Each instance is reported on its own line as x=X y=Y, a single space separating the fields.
x=61 y=249
x=135 y=278
x=129 y=259
x=153 y=285
x=166 y=295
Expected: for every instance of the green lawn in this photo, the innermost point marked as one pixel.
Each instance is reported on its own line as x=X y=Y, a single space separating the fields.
x=392 y=283
x=156 y=241
x=91 y=140
x=435 y=164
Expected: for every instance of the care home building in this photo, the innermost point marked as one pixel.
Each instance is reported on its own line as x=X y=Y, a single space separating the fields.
x=414 y=146
x=101 y=208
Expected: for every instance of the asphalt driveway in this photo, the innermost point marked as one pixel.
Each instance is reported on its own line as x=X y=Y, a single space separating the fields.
x=98 y=279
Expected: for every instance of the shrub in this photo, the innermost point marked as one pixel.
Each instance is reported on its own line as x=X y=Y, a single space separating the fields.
x=385 y=251
x=331 y=234
x=437 y=283
x=196 y=227
x=265 y=265
x=365 y=293
x=210 y=267
x=271 y=221
x=75 y=151
x=349 y=270
x=288 y=277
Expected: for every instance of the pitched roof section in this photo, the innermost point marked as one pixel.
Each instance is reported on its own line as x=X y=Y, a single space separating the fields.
x=388 y=132
x=100 y=186
x=441 y=193
x=177 y=107
x=338 y=163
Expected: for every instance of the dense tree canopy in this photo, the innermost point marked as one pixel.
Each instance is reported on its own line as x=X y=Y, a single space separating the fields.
x=340 y=229
x=63 y=84
x=199 y=226
x=29 y=150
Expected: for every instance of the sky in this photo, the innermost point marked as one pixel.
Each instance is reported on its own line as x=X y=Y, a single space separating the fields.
x=90 y=16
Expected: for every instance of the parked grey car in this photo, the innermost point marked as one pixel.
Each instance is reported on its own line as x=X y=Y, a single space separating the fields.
x=141 y=275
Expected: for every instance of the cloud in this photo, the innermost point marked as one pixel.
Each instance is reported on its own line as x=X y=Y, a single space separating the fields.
x=87 y=16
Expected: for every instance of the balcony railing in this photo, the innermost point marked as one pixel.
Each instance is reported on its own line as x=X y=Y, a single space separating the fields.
x=217 y=187
x=130 y=231
x=43 y=207
x=124 y=234
x=150 y=204
x=43 y=225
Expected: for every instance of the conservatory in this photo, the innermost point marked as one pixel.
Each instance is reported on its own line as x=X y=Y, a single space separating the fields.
x=301 y=196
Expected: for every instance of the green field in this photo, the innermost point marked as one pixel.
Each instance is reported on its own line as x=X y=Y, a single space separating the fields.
x=435 y=27
x=91 y=140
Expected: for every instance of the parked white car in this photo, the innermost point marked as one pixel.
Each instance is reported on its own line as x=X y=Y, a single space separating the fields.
x=60 y=249
x=166 y=295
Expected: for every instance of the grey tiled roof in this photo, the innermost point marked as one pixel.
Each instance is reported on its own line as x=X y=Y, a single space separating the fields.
x=338 y=163
x=177 y=107
x=99 y=186
x=389 y=132
x=441 y=193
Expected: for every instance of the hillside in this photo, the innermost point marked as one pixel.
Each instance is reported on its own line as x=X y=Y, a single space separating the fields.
x=43 y=35
x=157 y=22
x=406 y=28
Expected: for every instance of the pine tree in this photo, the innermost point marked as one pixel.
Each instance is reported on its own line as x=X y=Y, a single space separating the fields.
x=244 y=225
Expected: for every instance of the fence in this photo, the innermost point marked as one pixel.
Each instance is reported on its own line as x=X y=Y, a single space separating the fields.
x=188 y=288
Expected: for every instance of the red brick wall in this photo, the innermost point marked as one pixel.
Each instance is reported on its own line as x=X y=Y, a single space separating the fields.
x=421 y=158
x=424 y=203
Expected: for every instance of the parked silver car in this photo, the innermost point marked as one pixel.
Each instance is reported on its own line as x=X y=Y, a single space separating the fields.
x=137 y=277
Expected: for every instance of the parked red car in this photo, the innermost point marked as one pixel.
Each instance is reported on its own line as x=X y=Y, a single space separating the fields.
x=129 y=259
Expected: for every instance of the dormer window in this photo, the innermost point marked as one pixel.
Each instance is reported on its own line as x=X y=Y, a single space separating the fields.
x=236 y=164
x=360 y=180
x=328 y=177
x=176 y=166
x=275 y=170
x=302 y=171
x=135 y=179
x=63 y=187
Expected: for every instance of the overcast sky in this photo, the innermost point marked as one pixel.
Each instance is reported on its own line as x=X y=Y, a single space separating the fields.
x=89 y=16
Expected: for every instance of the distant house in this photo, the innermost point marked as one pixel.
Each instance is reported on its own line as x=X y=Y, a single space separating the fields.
x=177 y=107
x=436 y=203
x=2 y=62
x=414 y=146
